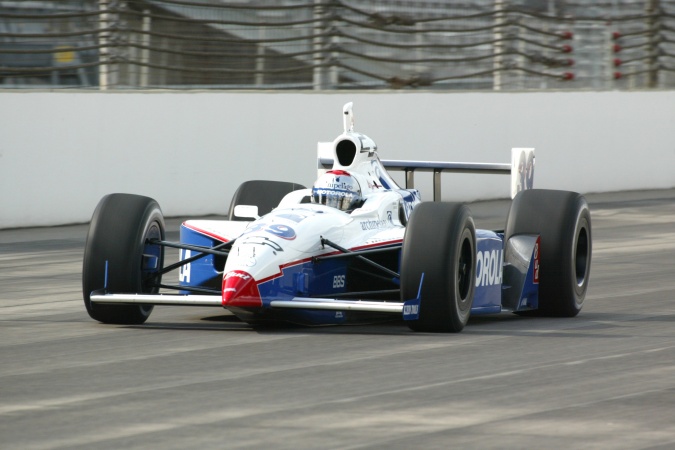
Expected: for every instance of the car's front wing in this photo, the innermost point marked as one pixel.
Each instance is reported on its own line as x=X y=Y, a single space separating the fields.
x=330 y=304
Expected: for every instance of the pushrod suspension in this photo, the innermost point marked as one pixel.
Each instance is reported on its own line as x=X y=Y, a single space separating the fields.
x=356 y=255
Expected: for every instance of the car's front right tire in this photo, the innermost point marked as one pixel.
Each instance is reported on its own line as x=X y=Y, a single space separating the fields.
x=118 y=252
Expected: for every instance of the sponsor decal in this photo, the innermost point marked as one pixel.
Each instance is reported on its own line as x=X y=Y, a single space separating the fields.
x=372 y=184
x=184 y=270
x=410 y=199
x=378 y=173
x=333 y=193
x=277 y=229
x=340 y=180
x=242 y=275
x=378 y=240
x=489 y=267
x=535 y=257
x=338 y=281
x=377 y=224
x=411 y=309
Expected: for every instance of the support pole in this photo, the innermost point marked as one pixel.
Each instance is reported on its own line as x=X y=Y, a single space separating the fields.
x=318 y=45
x=653 y=26
x=437 y=185
x=498 y=48
x=103 y=42
x=145 y=51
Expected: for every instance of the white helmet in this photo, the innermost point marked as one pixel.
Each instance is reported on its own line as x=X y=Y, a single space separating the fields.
x=338 y=189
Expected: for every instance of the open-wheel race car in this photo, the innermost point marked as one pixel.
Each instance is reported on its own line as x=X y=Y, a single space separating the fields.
x=355 y=247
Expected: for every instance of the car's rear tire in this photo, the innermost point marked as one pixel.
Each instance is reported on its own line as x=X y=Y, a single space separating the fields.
x=563 y=220
x=118 y=234
x=440 y=242
x=264 y=194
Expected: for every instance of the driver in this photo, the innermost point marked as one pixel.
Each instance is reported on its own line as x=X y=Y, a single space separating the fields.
x=337 y=189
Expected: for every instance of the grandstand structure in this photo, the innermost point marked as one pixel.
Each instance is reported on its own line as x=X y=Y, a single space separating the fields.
x=338 y=44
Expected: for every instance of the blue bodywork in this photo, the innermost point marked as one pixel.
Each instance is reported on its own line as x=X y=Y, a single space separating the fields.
x=505 y=279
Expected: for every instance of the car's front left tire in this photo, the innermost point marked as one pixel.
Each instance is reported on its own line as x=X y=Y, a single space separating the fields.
x=563 y=221
x=440 y=242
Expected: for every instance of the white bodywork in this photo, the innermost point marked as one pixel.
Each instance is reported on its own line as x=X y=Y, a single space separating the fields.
x=292 y=233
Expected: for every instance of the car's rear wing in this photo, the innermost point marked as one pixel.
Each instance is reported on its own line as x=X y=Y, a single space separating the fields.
x=521 y=168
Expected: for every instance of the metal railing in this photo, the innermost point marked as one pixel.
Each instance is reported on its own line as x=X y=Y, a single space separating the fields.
x=338 y=44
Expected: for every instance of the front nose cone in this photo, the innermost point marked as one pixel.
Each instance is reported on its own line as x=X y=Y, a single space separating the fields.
x=240 y=290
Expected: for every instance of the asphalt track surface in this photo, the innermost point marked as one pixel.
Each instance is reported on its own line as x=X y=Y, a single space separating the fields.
x=198 y=378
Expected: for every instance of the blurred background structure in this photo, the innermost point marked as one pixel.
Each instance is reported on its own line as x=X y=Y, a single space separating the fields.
x=338 y=44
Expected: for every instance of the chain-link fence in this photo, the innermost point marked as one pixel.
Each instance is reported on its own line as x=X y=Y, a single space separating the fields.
x=338 y=44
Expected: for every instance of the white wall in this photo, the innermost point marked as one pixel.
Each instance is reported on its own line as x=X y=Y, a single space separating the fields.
x=60 y=152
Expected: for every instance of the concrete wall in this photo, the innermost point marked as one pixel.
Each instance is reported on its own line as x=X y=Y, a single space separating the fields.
x=60 y=152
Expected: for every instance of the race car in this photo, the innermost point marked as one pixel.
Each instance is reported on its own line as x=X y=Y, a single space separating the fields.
x=353 y=248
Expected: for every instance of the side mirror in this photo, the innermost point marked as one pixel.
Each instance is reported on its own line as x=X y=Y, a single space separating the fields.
x=246 y=211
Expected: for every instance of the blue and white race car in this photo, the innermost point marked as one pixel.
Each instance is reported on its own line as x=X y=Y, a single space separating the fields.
x=355 y=247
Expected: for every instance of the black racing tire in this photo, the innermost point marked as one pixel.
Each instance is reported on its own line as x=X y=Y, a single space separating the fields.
x=563 y=221
x=440 y=242
x=118 y=234
x=264 y=194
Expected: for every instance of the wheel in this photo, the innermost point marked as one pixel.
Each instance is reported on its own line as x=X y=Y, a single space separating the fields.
x=440 y=242
x=264 y=194
x=563 y=220
x=118 y=236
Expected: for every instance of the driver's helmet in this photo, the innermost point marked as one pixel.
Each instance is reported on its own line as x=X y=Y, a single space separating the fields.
x=338 y=189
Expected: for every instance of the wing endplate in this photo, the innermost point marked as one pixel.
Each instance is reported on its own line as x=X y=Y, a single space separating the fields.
x=522 y=170
x=520 y=288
